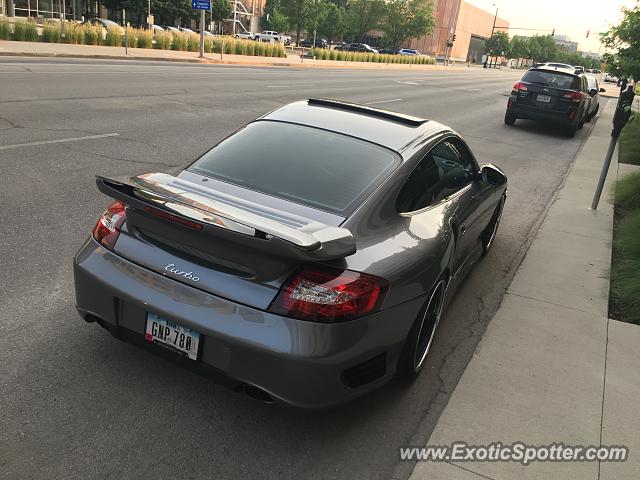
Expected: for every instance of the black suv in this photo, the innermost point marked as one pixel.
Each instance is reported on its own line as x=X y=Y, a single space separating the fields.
x=548 y=94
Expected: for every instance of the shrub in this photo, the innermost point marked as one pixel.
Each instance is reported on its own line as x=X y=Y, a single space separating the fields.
x=242 y=47
x=51 y=33
x=132 y=37
x=5 y=29
x=208 y=45
x=92 y=35
x=144 y=39
x=31 y=31
x=19 y=29
x=74 y=33
x=163 y=41
x=178 y=41
x=216 y=45
x=113 y=37
x=340 y=56
x=228 y=45
x=333 y=55
x=193 y=43
x=251 y=48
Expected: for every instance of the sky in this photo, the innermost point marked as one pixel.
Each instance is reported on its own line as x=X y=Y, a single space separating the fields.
x=568 y=17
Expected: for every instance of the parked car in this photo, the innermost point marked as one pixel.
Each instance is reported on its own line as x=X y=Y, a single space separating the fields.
x=187 y=30
x=319 y=43
x=389 y=51
x=342 y=46
x=157 y=29
x=246 y=35
x=105 y=24
x=361 y=47
x=168 y=28
x=550 y=95
x=594 y=103
x=306 y=259
x=609 y=78
x=273 y=36
x=408 y=51
x=579 y=69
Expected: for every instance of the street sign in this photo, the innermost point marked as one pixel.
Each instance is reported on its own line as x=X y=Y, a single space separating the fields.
x=201 y=4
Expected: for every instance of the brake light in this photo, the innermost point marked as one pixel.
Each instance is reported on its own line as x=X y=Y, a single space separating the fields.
x=323 y=295
x=520 y=87
x=173 y=218
x=107 y=229
x=575 y=97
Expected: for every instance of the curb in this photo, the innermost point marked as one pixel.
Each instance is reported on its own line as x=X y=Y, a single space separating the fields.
x=212 y=61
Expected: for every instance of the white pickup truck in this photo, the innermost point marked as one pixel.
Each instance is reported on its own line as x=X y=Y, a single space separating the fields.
x=272 y=36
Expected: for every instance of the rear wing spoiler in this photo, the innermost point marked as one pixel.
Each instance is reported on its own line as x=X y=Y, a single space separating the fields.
x=288 y=235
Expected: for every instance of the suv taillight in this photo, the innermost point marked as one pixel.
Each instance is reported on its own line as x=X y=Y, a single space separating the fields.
x=575 y=97
x=520 y=87
x=324 y=295
x=107 y=229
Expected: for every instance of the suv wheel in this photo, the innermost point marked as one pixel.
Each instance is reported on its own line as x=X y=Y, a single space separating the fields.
x=509 y=118
x=571 y=130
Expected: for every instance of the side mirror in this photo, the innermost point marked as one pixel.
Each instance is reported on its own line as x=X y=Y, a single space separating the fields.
x=592 y=91
x=457 y=178
x=492 y=175
x=602 y=90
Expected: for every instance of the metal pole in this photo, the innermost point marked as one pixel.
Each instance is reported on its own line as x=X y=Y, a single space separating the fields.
x=62 y=16
x=603 y=173
x=149 y=13
x=201 y=33
x=235 y=16
x=126 y=32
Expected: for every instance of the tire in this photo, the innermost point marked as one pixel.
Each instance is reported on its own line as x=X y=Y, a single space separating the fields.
x=588 y=117
x=418 y=343
x=571 y=130
x=489 y=233
x=509 y=118
x=581 y=123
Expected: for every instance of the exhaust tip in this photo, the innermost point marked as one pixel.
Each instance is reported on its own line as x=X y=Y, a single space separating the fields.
x=258 y=394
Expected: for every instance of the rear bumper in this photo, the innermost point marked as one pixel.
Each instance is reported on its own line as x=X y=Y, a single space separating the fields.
x=540 y=114
x=303 y=364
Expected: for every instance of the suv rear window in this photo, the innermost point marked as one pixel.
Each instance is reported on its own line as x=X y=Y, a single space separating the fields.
x=556 y=79
x=306 y=165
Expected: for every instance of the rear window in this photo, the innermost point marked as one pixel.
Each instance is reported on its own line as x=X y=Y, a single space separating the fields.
x=306 y=165
x=552 y=79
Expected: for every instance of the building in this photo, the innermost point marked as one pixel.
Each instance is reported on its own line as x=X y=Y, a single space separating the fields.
x=471 y=26
x=564 y=43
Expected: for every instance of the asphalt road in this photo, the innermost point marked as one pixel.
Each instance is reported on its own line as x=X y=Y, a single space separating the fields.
x=76 y=403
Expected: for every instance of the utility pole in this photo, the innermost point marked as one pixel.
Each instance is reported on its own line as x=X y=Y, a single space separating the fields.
x=201 y=33
x=493 y=28
x=62 y=11
x=11 y=11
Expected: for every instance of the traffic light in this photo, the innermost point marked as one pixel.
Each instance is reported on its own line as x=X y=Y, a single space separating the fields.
x=588 y=32
x=553 y=32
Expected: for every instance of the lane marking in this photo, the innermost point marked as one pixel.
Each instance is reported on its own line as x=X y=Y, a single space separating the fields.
x=289 y=86
x=61 y=140
x=385 y=101
x=407 y=83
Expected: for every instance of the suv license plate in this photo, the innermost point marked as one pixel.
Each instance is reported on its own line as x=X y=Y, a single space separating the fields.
x=544 y=98
x=167 y=333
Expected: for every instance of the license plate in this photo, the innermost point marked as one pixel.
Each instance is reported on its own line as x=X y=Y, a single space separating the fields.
x=167 y=333
x=544 y=98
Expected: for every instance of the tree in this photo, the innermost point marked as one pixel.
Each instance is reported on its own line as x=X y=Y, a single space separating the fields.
x=332 y=25
x=362 y=16
x=534 y=51
x=518 y=48
x=404 y=19
x=298 y=13
x=624 y=39
x=548 y=49
x=498 y=44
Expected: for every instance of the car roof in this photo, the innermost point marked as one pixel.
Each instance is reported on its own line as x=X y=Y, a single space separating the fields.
x=395 y=131
x=548 y=68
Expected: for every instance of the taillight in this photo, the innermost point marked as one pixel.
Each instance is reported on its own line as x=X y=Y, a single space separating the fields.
x=107 y=229
x=575 y=97
x=520 y=87
x=323 y=295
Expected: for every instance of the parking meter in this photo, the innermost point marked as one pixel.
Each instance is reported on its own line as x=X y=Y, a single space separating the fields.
x=620 y=119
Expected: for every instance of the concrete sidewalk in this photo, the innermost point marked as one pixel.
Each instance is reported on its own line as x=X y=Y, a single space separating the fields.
x=551 y=366
x=40 y=49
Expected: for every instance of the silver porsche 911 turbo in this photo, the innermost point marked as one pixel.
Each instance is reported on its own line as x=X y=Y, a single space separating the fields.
x=305 y=259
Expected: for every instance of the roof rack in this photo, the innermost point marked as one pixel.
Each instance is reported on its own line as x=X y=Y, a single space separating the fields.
x=375 y=112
